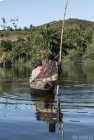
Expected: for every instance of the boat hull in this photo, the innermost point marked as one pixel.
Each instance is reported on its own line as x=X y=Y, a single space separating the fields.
x=42 y=87
x=41 y=91
x=49 y=89
x=46 y=79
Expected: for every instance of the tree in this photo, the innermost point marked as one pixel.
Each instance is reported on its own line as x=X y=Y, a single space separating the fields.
x=31 y=26
x=25 y=28
x=9 y=28
x=4 y=23
x=49 y=39
x=14 y=22
x=6 y=45
x=89 y=53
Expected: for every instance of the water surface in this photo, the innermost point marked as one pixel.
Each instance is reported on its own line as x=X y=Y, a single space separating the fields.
x=25 y=115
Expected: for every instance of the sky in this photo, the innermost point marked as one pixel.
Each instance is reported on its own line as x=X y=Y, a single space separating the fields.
x=38 y=12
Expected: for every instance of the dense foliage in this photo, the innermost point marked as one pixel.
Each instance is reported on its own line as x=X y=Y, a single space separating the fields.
x=21 y=46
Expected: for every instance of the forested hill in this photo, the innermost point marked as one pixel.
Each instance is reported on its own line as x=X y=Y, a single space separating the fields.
x=25 y=45
x=72 y=23
x=13 y=34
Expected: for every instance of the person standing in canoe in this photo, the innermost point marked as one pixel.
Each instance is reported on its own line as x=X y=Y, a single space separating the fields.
x=36 y=70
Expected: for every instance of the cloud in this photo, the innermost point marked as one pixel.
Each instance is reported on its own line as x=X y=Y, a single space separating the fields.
x=1 y=0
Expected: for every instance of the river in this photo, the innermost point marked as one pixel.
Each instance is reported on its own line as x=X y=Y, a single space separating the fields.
x=27 y=116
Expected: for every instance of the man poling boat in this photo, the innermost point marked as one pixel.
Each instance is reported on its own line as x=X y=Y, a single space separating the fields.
x=46 y=76
x=43 y=77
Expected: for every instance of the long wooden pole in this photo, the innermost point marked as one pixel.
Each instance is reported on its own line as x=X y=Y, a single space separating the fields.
x=62 y=31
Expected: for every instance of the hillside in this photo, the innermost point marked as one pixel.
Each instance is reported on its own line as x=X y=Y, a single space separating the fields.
x=22 y=46
x=69 y=23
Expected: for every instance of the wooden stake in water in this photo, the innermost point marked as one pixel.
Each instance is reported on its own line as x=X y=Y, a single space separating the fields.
x=62 y=31
x=57 y=90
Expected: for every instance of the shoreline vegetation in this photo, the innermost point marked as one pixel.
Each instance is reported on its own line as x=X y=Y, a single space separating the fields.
x=20 y=46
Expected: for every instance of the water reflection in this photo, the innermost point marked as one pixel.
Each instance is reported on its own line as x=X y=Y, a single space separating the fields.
x=77 y=75
x=75 y=101
x=13 y=78
x=73 y=75
x=47 y=109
